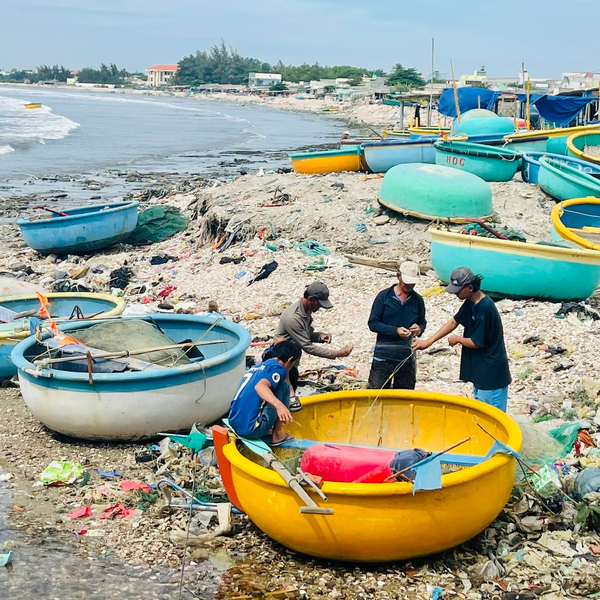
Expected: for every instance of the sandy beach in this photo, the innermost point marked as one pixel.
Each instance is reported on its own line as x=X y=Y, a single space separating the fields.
x=273 y=214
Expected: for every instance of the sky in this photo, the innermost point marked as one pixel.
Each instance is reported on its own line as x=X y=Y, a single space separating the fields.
x=136 y=34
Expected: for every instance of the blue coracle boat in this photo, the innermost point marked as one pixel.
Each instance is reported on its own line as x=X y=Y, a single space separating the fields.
x=518 y=269
x=531 y=165
x=83 y=229
x=379 y=157
x=139 y=403
x=62 y=305
x=489 y=163
x=564 y=182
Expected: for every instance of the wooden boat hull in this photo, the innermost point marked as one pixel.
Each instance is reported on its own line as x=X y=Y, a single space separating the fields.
x=489 y=163
x=435 y=192
x=94 y=306
x=85 y=229
x=379 y=157
x=138 y=405
x=531 y=165
x=577 y=222
x=518 y=269
x=327 y=161
x=578 y=144
x=564 y=182
x=381 y=522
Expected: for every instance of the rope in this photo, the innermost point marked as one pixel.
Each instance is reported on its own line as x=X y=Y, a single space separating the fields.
x=398 y=367
x=187 y=531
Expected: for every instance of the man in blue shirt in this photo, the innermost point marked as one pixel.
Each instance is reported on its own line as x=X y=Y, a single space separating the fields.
x=397 y=315
x=261 y=404
x=483 y=360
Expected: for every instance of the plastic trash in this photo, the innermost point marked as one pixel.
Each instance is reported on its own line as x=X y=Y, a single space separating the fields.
x=546 y=481
x=61 y=473
x=587 y=481
x=311 y=248
x=567 y=434
x=6 y=559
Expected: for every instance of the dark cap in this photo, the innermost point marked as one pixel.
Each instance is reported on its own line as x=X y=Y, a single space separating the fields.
x=460 y=278
x=319 y=291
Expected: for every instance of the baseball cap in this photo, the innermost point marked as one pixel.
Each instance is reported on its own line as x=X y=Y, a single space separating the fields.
x=460 y=277
x=410 y=272
x=319 y=291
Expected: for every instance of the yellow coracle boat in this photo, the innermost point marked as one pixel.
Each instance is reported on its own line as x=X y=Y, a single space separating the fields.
x=328 y=161
x=577 y=221
x=557 y=138
x=377 y=522
x=33 y=105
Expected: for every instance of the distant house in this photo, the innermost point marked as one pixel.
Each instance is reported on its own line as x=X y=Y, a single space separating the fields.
x=159 y=75
x=263 y=80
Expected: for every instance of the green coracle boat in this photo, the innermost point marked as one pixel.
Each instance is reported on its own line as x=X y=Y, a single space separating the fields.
x=563 y=182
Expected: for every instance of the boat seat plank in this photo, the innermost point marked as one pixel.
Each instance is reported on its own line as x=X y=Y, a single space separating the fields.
x=587 y=235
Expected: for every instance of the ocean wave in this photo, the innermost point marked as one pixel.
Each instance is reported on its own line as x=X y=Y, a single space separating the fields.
x=21 y=127
x=6 y=149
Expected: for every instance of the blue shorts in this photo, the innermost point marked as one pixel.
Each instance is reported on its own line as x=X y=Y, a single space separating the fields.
x=497 y=398
x=268 y=414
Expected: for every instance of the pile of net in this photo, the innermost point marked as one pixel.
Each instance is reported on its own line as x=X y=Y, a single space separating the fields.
x=156 y=224
x=510 y=232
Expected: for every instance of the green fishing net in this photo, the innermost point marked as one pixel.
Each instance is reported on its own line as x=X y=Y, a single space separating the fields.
x=156 y=224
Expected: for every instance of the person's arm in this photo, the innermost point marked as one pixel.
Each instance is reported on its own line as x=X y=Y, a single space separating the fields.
x=263 y=389
x=375 y=322
x=463 y=341
x=443 y=331
x=297 y=330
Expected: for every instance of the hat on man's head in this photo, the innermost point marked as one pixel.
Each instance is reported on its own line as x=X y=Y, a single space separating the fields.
x=460 y=278
x=409 y=271
x=319 y=291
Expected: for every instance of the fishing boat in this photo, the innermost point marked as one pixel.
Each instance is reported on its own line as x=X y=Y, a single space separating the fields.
x=379 y=157
x=327 y=161
x=585 y=146
x=33 y=105
x=518 y=269
x=64 y=305
x=489 y=163
x=146 y=398
x=381 y=522
x=531 y=165
x=557 y=137
x=435 y=192
x=563 y=182
x=484 y=126
x=577 y=222
x=80 y=230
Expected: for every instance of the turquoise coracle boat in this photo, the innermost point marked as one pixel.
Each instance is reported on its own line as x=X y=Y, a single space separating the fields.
x=531 y=165
x=379 y=157
x=518 y=269
x=564 y=182
x=435 y=192
x=489 y=163
x=80 y=230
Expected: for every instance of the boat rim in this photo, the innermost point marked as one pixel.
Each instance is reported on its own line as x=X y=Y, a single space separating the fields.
x=471 y=473
x=475 y=150
x=553 y=132
x=560 y=251
x=410 y=142
x=244 y=338
x=530 y=157
x=326 y=153
x=582 y=153
x=86 y=211
x=418 y=215
x=563 y=230
x=566 y=172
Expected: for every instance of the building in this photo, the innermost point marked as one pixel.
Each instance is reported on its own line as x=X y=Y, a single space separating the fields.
x=263 y=80
x=160 y=75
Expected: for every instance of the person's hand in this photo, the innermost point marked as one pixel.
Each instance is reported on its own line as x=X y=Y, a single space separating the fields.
x=345 y=351
x=453 y=340
x=415 y=329
x=283 y=413
x=325 y=338
x=420 y=344
x=403 y=332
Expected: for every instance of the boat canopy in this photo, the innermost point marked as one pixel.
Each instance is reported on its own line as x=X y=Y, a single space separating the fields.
x=560 y=110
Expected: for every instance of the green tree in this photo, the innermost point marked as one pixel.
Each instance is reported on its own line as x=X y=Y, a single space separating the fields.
x=278 y=87
x=405 y=79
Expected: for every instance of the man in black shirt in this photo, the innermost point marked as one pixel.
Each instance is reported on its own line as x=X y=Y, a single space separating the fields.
x=397 y=315
x=483 y=360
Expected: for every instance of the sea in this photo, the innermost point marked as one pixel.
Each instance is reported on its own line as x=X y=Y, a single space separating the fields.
x=78 y=136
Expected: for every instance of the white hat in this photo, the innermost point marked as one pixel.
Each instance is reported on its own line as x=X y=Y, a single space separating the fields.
x=410 y=272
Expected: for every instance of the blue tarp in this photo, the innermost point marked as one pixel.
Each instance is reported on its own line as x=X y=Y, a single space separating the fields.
x=560 y=110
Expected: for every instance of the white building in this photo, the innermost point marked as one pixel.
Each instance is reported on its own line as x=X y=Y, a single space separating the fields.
x=263 y=80
x=159 y=75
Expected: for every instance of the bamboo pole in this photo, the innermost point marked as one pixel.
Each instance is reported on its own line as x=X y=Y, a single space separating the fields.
x=124 y=353
x=528 y=107
x=455 y=93
x=429 y=123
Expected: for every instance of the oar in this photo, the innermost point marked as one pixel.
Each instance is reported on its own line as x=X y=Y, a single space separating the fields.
x=373 y=130
x=487 y=228
x=55 y=212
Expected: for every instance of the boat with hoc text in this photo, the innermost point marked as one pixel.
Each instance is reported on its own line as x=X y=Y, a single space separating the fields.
x=379 y=522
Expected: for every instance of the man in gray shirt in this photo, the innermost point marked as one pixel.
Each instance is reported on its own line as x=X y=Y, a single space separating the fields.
x=295 y=324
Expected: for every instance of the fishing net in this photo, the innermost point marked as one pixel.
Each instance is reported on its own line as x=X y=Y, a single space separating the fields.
x=117 y=336
x=510 y=232
x=156 y=224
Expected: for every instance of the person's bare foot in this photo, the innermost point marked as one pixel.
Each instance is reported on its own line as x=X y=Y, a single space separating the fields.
x=280 y=438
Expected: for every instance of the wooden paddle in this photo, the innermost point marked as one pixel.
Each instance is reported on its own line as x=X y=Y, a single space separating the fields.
x=487 y=228
x=55 y=212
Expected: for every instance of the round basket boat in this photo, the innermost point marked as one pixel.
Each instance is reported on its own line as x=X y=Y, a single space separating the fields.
x=435 y=192
x=577 y=221
x=484 y=126
x=563 y=182
x=531 y=165
x=379 y=522
x=585 y=145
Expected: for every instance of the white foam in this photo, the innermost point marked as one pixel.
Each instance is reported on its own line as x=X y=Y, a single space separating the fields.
x=6 y=149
